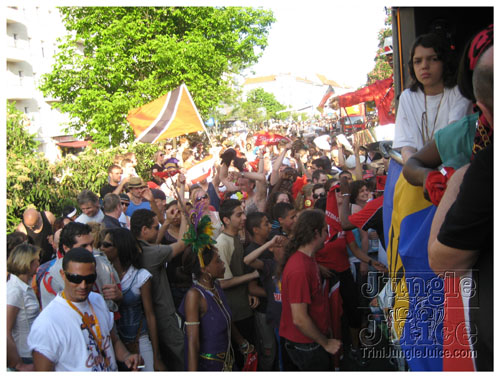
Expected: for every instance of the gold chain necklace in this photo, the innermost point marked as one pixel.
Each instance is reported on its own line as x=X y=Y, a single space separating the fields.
x=425 y=124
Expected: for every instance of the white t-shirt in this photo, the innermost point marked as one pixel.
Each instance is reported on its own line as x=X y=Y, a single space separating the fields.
x=225 y=247
x=408 y=130
x=60 y=335
x=83 y=218
x=22 y=296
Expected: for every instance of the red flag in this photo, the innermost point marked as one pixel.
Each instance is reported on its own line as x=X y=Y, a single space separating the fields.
x=267 y=139
x=329 y=93
x=332 y=213
x=298 y=185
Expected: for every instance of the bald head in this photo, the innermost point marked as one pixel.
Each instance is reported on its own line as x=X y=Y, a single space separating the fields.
x=482 y=81
x=32 y=218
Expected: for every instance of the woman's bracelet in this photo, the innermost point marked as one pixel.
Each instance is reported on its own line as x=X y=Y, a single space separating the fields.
x=191 y=323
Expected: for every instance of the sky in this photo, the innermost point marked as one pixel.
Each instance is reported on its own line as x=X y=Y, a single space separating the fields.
x=336 y=40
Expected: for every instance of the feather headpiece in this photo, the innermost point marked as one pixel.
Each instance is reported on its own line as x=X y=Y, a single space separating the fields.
x=199 y=234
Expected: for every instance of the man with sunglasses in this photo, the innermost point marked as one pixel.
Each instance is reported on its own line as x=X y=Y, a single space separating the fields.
x=75 y=235
x=318 y=192
x=76 y=331
x=144 y=225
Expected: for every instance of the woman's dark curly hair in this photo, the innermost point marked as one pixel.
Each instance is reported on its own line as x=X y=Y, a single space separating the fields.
x=191 y=264
x=304 y=232
x=354 y=188
x=271 y=201
x=444 y=53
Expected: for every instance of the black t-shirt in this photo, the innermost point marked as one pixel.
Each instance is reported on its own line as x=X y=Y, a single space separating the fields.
x=272 y=286
x=158 y=167
x=265 y=255
x=468 y=225
x=108 y=188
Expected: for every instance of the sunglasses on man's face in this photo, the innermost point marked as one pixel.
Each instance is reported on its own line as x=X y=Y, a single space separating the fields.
x=77 y=279
x=316 y=196
x=125 y=203
x=106 y=244
x=198 y=199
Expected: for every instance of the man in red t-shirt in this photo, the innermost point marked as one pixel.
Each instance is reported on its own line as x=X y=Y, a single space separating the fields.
x=305 y=316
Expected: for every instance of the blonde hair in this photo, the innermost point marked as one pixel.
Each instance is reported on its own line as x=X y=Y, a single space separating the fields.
x=157 y=155
x=21 y=257
x=193 y=194
x=96 y=233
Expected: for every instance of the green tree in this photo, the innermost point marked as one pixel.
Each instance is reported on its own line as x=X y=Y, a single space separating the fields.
x=118 y=58
x=260 y=105
x=30 y=178
x=19 y=140
x=382 y=69
x=33 y=181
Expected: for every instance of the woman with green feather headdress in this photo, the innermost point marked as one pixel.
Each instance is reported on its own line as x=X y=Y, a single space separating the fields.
x=207 y=317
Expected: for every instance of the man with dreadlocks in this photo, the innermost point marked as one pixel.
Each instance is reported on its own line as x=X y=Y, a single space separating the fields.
x=304 y=318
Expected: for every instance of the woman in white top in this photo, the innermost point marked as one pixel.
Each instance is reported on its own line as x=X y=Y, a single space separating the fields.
x=137 y=325
x=22 y=305
x=433 y=100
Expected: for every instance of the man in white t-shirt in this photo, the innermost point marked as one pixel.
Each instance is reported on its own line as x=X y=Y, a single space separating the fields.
x=90 y=207
x=75 y=235
x=76 y=332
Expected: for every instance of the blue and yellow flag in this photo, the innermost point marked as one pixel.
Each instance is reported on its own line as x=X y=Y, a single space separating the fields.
x=419 y=294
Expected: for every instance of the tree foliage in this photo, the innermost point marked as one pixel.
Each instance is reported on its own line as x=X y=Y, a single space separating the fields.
x=118 y=58
x=29 y=174
x=382 y=69
x=260 y=105
x=19 y=140
x=33 y=181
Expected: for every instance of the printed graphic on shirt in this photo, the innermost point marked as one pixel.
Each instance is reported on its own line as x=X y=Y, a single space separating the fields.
x=97 y=358
x=277 y=289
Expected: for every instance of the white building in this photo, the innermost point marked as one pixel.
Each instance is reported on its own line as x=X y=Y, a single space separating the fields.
x=299 y=92
x=32 y=30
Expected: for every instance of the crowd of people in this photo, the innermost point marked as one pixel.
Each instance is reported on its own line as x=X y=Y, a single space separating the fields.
x=260 y=263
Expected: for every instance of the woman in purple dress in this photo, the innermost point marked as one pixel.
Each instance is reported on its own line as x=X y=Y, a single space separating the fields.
x=208 y=325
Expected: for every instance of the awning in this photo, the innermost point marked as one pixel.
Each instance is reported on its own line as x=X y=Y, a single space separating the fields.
x=74 y=144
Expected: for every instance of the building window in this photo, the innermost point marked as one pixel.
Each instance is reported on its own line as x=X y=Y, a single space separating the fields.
x=43 y=53
x=25 y=110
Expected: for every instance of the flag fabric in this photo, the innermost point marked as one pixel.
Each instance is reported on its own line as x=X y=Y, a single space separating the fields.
x=200 y=171
x=332 y=214
x=265 y=138
x=329 y=93
x=169 y=116
x=423 y=325
x=382 y=92
x=336 y=311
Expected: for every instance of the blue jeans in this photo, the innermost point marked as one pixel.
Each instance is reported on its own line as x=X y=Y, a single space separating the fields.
x=308 y=356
